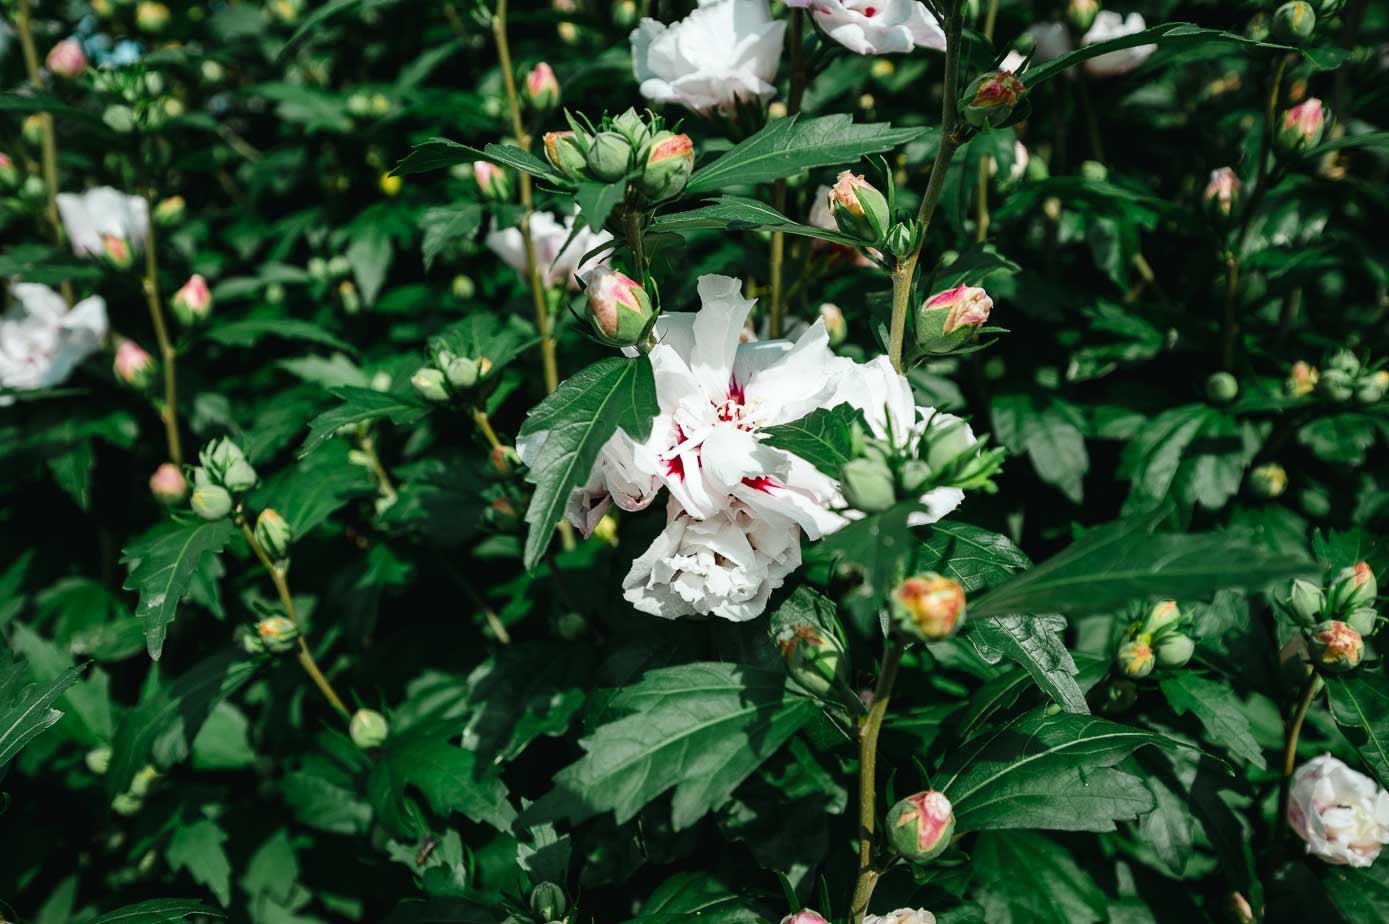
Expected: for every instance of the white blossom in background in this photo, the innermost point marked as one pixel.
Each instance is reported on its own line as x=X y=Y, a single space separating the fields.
x=41 y=341
x=1111 y=25
x=726 y=565
x=901 y=916
x=559 y=264
x=724 y=53
x=876 y=27
x=1341 y=814
x=106 y=223
x=1053 y=39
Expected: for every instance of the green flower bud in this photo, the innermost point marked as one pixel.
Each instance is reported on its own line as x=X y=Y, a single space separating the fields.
x=859 y=209
x=626 y=13
x=566 y=152
x=277 y=634
x=1337 y=384
x=429 y=382
x=868 y=485
x=618 y=307
x=1293 y=22
x=368 y=729
x=1269 y=480
x=901 y=239
x=991 y=98
x=1094 y=170
x=1302 y=127
x=633 y=127
x=948 y=439
x=929 y=607
x=1372 y=388
x=211 y=502
x=609 y=157
x=461 y=372
x=274 y=534
x=1136 y=659
x=947 y=319
x=1335 y=647
x=1353 y=587
x=1258 y=27
x=1221 y=388
x=548 y=901
x=99 y=760
x=921 y=825
x=169 y=212
x=669 y=163
x=1174 y=649
x=1163 y=616
x=33 y=191
x=9 y=173
x=814 y=658
x=1081 y=14
x=1364 y=620
x=914 y=475
x=1306 y=602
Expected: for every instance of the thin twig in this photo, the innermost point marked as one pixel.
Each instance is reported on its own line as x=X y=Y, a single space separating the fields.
x=793 y=106
x=1291 y=732
x=484 y=424
x=48 y=139
x=867 y=784
x=366 y=442
x=167 y=354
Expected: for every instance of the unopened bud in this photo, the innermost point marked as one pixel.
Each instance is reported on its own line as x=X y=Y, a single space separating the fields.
x=274 y=534
x=1268 y=480
x=1174 y=650
x=133 y=365
x=991 y=98
x=859 y=209
x=66 y=59
x=461 y=372
x=542 y=89
x=1293 y=22
x=9 y=174
x=565 y=151
x=430 y=383
x=1353 y=588
x=192 y=303
x=1081 y=14
x=1372 y=388
x=1221 y=197
x=169 y=211
x=277 y=634
x=167 y=484
x=368 y=729
x=151 y=17
x=1163 y=616
x=835 y=326
x=1364 y=619
x=947 y=319
x=225 y=464
x=211 y=502
x=1302 y=379
x=1306 y=602
x=1302 y=127
x=1222 y=387
x=814 y=658
x=901 y=239
x=868 y=485
x=669 y=163
x=31 y=129
x=929 y=607
x=804 y=916
x=921 y=825
x=618 y=307
x=1136 y=659
x=493 y=182
x=609 y=156
x=98 y=760
x=390 y=184
x=1336 y=647
x=626 y=13
x=548 y=901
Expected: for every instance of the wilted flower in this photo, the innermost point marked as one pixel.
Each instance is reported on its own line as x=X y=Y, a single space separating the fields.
x=1341 y=814
x=368 y=729
x=723 y=54
x=133 y=364
x=555 y=254
x=1111 y=25
x=618 y=307
x=167 y=484
x=192 y=303
x=991 y=98
x=1302 y=127
x=1335 y=646
x=1222 y=192
x=876 y=27
x=41 y=341
x=947 y=319
x=920 y=825
x=1302 y=379
x=542 y=89
x=105 y=223
x=66 y=59
x=929 y=607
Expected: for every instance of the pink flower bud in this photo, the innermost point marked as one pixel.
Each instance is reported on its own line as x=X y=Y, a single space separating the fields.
x=167 y=484
x=859 y=209
x=193 y=302
x=948 y=318
x=668 y=166
x=133 y=365
x=992 y=97
x=929 y=606
x=618 y=307
x=66 y=59
x=566 y=152
x=804 y=916
x=1302 y=126
x=116 y=250
x=1222 y=192
x=492 y=181
x=542 y=89
x=920 y=825
x=1136 y=658
x=1335 y=646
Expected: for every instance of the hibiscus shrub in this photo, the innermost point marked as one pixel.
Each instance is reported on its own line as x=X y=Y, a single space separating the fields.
x=728 y=461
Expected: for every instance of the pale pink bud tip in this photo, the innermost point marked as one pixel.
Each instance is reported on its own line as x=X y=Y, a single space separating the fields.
x=968 y=306
x=844 y=192
x=168 y=484
x=66 y=59
x=804 y=916
x=486 y=173
x=1305 y=117
x=1363 y=574
x=676 y=146
x=132 y=362
x=932 y=812
x=195 y=295
x=541 y=79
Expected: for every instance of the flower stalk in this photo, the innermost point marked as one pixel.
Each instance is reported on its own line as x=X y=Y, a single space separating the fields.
x=1292 y=731
x=777 y=316
x=49 y=142
x=167 y=353
x=868 y=871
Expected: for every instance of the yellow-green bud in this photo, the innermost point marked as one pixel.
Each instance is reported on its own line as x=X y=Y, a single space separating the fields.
x=277 y=634
x=929 y=607
x=1136 y=659
x=429 y=382
x=814 y=658
x=609 y=156
x=1175 y=649
x=1293 y=22
x=273 y=533
x=368 y=729
x=211 y=502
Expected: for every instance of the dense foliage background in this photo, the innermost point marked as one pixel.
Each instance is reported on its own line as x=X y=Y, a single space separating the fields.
x=164 y=743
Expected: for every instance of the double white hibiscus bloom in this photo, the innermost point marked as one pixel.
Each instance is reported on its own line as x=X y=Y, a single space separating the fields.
x=738 y=507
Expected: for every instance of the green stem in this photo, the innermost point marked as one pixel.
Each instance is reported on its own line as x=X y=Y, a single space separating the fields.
x=48 y=138
x=777 y=316
x=868 y=872
x=1291 y=732
x=168 y=355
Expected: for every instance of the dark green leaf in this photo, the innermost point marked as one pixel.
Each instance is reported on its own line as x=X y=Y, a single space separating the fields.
x=1027 y=878
x=157 y=911
x=824 y=437
x=361 y=405
x=1218 y=708
x=1360 y=705
x=26 y=708
x=163 y=564
x=446 y=775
